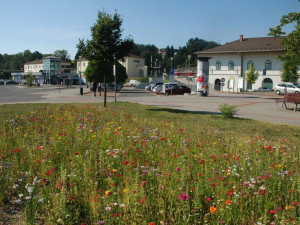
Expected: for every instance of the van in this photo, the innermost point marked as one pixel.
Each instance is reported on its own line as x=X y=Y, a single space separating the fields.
x=282 y=88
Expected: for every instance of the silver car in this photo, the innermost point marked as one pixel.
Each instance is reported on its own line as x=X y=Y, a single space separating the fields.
x=282 y=88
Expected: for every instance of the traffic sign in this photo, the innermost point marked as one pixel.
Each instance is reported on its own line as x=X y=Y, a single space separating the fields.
x=171 y=71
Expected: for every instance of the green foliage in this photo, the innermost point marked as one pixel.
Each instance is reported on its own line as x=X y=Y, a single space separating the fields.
x=105 y=48
x=96 y=71
x=80 y=48
x=63 y=54
x=147 y=51
x=106 y=44
x=166 y=81
x=289 y=72
x=139 y=79
x=180 y=59
x=29 y=79
x=251 y=75
x=228 y=111
x=291 y=42
x=16 y=62
x=143 y=79
x=4 y=75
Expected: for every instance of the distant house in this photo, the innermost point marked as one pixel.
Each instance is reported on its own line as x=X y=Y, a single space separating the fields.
x=134 y=65
x=229 y=63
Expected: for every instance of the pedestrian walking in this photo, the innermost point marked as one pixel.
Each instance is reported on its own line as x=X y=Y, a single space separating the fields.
x=94 y=87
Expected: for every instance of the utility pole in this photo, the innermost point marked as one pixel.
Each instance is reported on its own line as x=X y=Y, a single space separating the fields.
x=115 y=78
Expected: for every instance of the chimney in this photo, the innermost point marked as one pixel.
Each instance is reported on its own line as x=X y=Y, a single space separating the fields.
x=241 y=38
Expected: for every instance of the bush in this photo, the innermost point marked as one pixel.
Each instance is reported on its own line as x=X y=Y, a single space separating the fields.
x=227 y=110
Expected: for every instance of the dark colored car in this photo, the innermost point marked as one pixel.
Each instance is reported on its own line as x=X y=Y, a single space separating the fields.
x=11 y=82
x=178 y=90
x=2 y=82
x=110 y=87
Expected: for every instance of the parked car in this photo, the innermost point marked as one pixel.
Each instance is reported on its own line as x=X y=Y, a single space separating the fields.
x=149 y=87
x=10 y=82
x=157 y=89
x=167 y=86
x=177 y=90
x=159 y=83
x=282 y=88
x=110 y=87
x=263 y=89
x=1 y=82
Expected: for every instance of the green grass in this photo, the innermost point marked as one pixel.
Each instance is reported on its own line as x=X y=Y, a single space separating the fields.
x=136 y=164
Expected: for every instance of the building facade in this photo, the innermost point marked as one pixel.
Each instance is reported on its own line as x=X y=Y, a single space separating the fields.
x=228 y=64
x=49 y=70
x=134 y=65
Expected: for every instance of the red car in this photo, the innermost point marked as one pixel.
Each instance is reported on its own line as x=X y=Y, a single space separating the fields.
x=178 y=90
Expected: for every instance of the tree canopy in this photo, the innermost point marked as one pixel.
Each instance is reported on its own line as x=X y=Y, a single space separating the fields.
x=63 y=54
x=16 y=62
x=80 y=48
x=179 y=56
x=290 y=43
x=106 y=44
x=97 y=69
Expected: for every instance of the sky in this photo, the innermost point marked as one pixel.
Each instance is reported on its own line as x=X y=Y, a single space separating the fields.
x=46 y=26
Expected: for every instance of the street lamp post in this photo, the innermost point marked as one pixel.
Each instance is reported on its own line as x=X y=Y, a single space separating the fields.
x=81 y=89
x=115 y=78
x=156 y=68
x=171 y=72
x=189 y=57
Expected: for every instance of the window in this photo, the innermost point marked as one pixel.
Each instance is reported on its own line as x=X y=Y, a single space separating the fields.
x=230 y=65
x=249 y=63
x=268 y=65
x=218 y=65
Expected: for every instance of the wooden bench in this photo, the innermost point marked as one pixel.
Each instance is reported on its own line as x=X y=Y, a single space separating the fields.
x=289 y=98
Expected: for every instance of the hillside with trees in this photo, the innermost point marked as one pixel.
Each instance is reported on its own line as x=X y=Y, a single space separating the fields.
x=179 y=55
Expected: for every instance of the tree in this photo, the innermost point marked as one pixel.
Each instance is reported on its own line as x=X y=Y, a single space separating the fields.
x=290 y=43
x=289 y=72
x=36 y=55
x=63 y=54
x=251 y=75
x=96 y=70
x=80 y=48
x=29 y=79
x=106 y=45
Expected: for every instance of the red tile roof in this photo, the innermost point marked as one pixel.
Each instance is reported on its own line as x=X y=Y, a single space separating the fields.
x=262 y=44
x=37 y=61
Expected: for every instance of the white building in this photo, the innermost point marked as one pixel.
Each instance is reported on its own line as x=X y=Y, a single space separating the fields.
x=134 y=65
x=229 y=63
x=50 y=69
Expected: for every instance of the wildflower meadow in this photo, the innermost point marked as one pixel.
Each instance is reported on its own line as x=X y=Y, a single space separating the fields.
x=129 y=164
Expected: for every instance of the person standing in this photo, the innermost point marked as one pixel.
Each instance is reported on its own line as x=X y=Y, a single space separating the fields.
x=94 y=87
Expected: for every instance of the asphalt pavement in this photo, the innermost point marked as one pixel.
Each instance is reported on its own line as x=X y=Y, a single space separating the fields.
x=257 y=106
